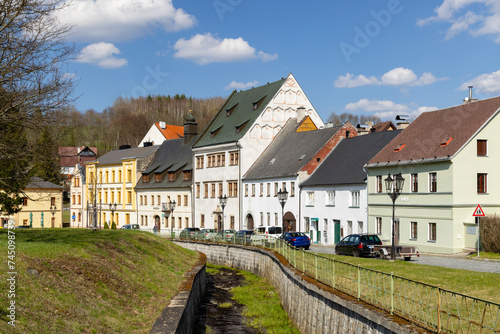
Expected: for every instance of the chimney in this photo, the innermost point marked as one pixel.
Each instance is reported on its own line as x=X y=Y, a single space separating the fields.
x=469 y=99
x=363 y=129
x=163 y=125
x=301 y=113
x=124 y=147
x=190 y=128
x=402 y=121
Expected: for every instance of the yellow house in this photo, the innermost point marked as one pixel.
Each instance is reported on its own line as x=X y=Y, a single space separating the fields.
x=110 y=183
x=42 y=206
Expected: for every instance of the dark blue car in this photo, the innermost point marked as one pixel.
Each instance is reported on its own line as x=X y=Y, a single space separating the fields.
x=296 y=239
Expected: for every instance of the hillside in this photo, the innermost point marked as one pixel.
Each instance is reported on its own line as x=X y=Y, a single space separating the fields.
x=79 y=281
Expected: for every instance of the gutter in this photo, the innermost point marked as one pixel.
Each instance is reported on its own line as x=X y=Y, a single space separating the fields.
x=407 y=162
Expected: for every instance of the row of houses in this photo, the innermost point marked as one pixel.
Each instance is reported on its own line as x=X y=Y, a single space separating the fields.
x=270 y=139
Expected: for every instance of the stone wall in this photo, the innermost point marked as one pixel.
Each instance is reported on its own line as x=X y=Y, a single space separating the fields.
x=312 y=307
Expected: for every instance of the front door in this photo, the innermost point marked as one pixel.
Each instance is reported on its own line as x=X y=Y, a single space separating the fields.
x=337 y=235
x=250 y=222
x=157 y=223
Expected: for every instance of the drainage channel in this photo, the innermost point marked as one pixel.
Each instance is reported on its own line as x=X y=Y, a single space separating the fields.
x=218 y=313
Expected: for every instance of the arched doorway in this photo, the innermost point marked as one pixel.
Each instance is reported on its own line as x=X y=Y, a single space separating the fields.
x=250 y=222
x=157 y=223
x=289 y=222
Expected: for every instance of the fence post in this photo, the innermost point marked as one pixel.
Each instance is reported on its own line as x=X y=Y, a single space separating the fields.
x=316 y=266
x=295 y=257
x=439 y=308
x=303 y=261
x=392 y=292
x=359 y=282
x=333 y=274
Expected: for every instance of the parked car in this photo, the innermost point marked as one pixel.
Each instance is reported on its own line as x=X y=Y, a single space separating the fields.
x=206 y=234
x=225 y=235
x=130 y=227
x=266 y=234
x=296 y=239
x=357 y=245
x=23 y=226
x=243 y=236
x=189 y=233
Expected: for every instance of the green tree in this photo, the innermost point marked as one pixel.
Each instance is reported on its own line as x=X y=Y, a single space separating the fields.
x=106 y=226
x=46 y=165
x=113 y=226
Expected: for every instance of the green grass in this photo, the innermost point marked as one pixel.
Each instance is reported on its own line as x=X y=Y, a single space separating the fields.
x=262 y=305
x=486 y=255
x=475 y=284
x=91 y=281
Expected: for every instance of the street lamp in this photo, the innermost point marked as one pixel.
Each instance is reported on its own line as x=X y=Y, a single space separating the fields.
x=171 y=207
x=282 y=197
x=394 y=187
x=223 y=202
x=112 y=207
x=53 y=212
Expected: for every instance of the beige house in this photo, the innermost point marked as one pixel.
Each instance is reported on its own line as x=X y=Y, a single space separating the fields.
x=42 y=206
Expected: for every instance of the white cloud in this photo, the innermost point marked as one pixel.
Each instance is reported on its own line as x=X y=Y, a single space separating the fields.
x=118 y=20
x=399 y=76
x=102 y=55
x=386 y=109
x=451 y=11
x=488 y=83
x=206 y=49
x=241 y=85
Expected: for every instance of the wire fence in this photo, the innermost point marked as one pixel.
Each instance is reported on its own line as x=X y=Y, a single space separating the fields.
x=431 y=307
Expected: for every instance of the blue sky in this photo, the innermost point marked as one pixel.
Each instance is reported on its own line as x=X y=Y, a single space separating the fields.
x=363 y=57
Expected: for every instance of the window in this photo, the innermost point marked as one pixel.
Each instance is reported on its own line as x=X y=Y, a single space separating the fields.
x=186 y=221
x=216 y=160
x=276 y=219
x=233 y=188
x=379 y=183
x=482 y=149
x=213 y=190
x=107 y=176
x=414 y=183
x=233 y=159
x=73 y=199
x=246 y=190
x=119 y=176
x=25 y=201
x=179 y=202
x=360 y=227
x=179 y=222
x=129 y=197
x=355 y=199
x=261 y=219
x=432 y=231
x=378 y=225
x=202 y=221
x=171 y=176
x=220 y=189
x=197 y=190
x=157 y=177
x=187 y=175
x=206 y=190
x=140 y=200
x=481 y=183
x=413 y=230
x=261 y=189
x=80 y=199
x=113 y=176
x=292 y=189
x=330 y=198
x=53 y=201
x=310 y=198
x=186 y=200
x=253 y=190
x=268 y=189
x=275 y=189
x=152 y=200
x=432 y=182
x=145 y=200
x=158 y=200
x=199 y=162
x=231 y=224
x=129 y=175
x=349 y=227
x=283 y=186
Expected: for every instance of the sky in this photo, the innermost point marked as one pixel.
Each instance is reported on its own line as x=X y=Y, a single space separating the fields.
x=363 y=57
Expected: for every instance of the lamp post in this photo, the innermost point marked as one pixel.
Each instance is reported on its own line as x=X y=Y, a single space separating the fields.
x=112 y=208
x=53 y=210
x=394 y=187
x=171 y=207
x=166 y=214
x=282 y=197
x=223 y=202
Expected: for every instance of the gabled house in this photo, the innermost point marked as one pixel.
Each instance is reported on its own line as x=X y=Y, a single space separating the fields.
x=111 y=180
x=334 y=198
x=42 y=206
x=77 y=198
x=449 y=159
x=159 y=132
x=69 y=157
x=290 y=159
x=236 y=136
x=169 y=177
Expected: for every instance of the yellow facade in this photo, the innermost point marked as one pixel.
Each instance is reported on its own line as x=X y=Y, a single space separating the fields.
x=37 y=209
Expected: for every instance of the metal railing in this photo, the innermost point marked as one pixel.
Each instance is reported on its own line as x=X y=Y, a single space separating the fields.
x=431 y=307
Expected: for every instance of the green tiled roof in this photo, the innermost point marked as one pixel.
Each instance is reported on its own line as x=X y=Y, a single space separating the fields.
x=240 y=107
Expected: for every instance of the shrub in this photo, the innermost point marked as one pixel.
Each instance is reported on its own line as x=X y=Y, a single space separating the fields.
x=490 y=234
x=113 y=226
x=106 y=226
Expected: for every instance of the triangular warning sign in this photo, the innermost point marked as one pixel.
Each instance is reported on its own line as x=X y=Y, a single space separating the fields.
x=478 y=212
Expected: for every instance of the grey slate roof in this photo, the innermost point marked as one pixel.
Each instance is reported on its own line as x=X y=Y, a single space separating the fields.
x=345 y=163
x=116 y=157
x=172 y=156
x=240 y=105
x=38 y=183
x=289 y=151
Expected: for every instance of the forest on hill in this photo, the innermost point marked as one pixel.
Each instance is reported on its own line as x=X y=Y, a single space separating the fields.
x=127 y=121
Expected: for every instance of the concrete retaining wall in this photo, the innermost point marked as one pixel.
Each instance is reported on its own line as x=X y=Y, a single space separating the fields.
x=312 y=307
x=178 y=316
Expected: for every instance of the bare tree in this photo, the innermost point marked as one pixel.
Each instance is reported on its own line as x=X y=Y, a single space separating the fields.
x=33 y=81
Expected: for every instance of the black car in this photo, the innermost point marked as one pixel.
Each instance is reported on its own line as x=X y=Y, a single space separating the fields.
x=357 y=245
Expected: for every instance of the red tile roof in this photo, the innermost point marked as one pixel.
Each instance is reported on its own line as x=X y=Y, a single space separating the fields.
x=171 y=131
x=424 y=137
x=68 y=156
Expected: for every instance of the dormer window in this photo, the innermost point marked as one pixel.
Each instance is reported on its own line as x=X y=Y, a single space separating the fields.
x=158 y=177
x=171 y=176
x=399 y=147
x=446 y=141
x=214 y=132
x=256 y=104
x=230 y=110
x=187 y=175
x=145 y=178
x=240 y=126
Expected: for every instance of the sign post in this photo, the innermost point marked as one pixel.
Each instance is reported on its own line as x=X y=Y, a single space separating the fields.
x=478 y=213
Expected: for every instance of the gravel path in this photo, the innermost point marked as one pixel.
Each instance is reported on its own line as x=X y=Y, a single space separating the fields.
x=455 y=261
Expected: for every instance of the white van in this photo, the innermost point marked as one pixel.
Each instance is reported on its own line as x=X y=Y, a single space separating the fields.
x=265 y=233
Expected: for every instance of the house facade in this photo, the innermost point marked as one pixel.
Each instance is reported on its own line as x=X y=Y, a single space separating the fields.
x=77 y=198
x=159 y=132
x=111 y=180
x=290 y=159
x=449 y=161
x=243 y=127
x=334 y=198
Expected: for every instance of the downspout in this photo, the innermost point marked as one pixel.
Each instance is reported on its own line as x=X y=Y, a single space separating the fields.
x=300 y=208
x=240 y=186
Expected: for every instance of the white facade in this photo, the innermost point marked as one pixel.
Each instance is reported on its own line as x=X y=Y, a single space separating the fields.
x=78 y=200
x=332 y=212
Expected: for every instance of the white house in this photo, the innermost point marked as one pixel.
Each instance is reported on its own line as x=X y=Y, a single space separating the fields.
x=159 y=132
x=78 y=198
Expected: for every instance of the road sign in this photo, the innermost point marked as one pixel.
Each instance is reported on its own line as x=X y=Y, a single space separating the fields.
x=478 y=212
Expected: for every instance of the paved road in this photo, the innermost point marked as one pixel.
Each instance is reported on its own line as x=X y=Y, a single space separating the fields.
x=455 y=261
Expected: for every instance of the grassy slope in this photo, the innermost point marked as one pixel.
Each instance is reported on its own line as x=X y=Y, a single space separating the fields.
x=108 y=281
